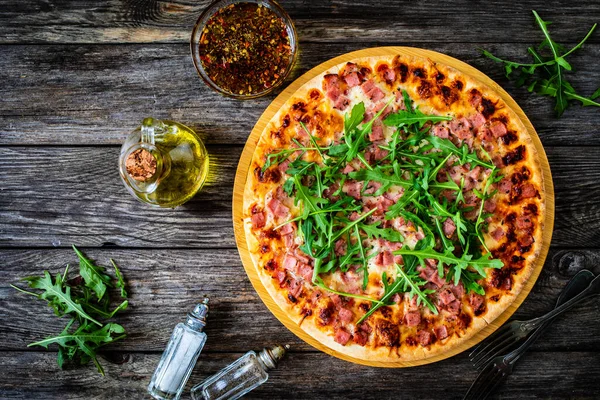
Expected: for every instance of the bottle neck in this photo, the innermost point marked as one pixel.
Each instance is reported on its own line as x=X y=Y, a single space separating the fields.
x=196 y=319
x=269 y=357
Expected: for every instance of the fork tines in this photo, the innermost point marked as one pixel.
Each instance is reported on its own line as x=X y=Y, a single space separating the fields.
x=489 y=378
x=497 y=344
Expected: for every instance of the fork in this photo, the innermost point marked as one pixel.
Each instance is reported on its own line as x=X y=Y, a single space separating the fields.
x=500 y=367
x=511 y=333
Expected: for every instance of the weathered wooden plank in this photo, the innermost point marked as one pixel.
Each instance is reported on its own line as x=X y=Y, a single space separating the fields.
x=90 y=94
x=75 y=195
x=308 y=376
x=165 y=284
x=55 y=196
x=126 y=21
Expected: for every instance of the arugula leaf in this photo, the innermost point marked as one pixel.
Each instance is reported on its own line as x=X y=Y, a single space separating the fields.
x=83 y=300
x=463 y=153
x=457 y=265
x=357 y=114
x=546 y=75
x=403 y=117
x=414 y=283
x=373 y=231
x=377 y=174
x=407 y=280
x=94 y=275
x=288 y=186
x=319 y=282
x=58 y=296
x=86 y=338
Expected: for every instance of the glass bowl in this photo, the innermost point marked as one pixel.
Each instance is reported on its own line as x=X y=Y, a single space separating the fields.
x=212 y=9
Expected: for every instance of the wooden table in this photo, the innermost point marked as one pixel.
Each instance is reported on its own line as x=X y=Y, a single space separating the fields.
x=77 y=76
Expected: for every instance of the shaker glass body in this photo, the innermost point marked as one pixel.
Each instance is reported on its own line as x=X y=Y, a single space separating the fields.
x=234 y=381
x=177 y=363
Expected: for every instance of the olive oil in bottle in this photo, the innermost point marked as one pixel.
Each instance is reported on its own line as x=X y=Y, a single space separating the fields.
x=163 y=163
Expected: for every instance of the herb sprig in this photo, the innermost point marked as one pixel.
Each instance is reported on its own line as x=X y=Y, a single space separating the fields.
x=546 y=75
x=85 y=300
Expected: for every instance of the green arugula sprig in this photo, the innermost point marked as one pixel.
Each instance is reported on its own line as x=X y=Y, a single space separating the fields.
x=407 y=280
x=85 y=299
x=457 y=265
x=546 y=75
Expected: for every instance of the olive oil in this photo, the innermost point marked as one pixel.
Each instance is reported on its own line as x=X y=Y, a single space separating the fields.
x=163 y=163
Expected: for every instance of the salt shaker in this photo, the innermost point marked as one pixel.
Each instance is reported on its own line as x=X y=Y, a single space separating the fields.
x=180 y=356
x=243 y=375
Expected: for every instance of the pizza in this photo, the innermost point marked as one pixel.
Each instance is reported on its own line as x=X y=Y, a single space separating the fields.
x=394 y=207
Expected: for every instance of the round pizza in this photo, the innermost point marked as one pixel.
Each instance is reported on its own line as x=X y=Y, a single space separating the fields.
x=394 y=207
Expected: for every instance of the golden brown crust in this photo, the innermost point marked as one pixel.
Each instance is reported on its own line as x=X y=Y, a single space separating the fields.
x=436 y=88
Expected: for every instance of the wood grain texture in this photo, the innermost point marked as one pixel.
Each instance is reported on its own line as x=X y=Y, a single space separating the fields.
x=81 y=74
x=242 y=172
x=56 y=196
x=336 y=379
x=99 y=93
x=387 y=21
x=165 y=284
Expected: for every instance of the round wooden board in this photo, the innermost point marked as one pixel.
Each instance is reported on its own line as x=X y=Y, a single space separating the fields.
x=246 y=159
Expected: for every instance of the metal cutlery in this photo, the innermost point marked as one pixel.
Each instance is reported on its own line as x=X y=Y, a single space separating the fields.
x=501 y=366
x=511 y=333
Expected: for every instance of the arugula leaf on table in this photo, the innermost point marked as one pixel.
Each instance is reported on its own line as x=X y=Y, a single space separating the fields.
x=86 y=338
x=120 y=280
x=83 y=298
x=94 y=275
x=57 y=294
x=546 y=75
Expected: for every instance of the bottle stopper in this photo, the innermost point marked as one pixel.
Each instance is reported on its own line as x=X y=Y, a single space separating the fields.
x=141 y=165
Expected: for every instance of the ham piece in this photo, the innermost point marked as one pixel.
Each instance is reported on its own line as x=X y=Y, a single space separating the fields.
x=376 y=133
x=424 y=337
x=372 y=91
x=258 y=220
x=441 y=332
x=461 y=128
x=335 y=91
x=528 y=190
x=412 y=318
x=498 y=129
x=342 y=336
x=352 y=79
x=345 y=315
x=449 y=227
x=278 y=209
x=441 y=132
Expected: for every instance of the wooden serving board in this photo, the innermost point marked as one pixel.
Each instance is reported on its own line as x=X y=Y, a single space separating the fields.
x=246 y=159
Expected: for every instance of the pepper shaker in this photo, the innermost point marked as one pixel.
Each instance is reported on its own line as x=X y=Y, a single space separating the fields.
x=243 y=375
x=180 y=356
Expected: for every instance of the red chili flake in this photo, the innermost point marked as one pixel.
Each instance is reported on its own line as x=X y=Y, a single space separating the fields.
x=241 y=39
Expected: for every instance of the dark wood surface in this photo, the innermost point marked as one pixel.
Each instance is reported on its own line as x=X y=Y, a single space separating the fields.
x=77 y=76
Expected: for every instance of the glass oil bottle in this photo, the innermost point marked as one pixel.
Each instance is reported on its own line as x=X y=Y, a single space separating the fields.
x=163 y=163
x=243 y=375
